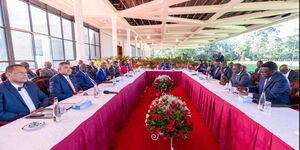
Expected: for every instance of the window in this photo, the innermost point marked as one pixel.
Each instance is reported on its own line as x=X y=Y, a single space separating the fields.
x=55 y=25
x=3 y=66
x=92 y=43
x=18 y=14
x=3 y=49
x=42 y=50
x=57 y=49
x=69 y=50
x=87 y=51
x=39 y=20
x=67 y=28
x=1 y=17
x=22 y=45
x=38 y=35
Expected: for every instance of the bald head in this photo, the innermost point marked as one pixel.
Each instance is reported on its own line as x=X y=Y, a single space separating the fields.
x=284 y=68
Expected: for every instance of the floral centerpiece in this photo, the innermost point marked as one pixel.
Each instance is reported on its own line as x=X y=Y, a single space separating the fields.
x=169 y=117
x=163 y=84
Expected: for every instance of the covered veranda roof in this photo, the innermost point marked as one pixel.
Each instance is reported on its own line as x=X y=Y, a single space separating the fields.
x=183 y=23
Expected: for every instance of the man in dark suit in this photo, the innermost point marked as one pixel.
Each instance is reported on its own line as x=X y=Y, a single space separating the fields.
x=92 y=66
x=273 y=83
x=102 y=73
x=215 y=71
x=64 y=84
x=47 y=71
x=80 y=62
x=226 y=73
x=289 y=73
x=84 y=79
x=220 y=57
x=258 y=65
x=18 y=97
x=111 y=72
x=164 y=66
x=240 y=77
x=30 y=73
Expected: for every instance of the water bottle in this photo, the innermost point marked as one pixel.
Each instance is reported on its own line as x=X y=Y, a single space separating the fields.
x=56 y=111
x=262 y=102
x=96 y=92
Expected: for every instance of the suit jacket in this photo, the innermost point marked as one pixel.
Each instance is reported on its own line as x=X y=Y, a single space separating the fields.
x=220 y=58
x=227 y=73
x=12 y=105
x=257 y=70
x=93 y=68
x=84 y=81
x=277 y=89
x=101 y=75
x=47 y=72
x=201 y=68
x=60 y=87
x=111 y=71
x=293 y=75
x=214 y=74
x=165 y=66
x=244 y=79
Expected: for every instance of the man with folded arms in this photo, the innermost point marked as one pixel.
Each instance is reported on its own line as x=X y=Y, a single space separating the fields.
x=84 y=79
x=226 y=73
x=273 y=83
x=240 y=77
x=215 y=71
x=64 y=84
x=18 y=97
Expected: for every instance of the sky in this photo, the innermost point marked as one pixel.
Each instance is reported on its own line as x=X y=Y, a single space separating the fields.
x=287 y=28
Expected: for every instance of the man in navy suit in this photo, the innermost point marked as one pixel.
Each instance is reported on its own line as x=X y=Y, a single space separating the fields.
x=18 y=97
x=102 y=73
x=80 y=62
x=84 y=79
x=273 y=83
x=164 y=66
x=64 y=84
x=215 y=71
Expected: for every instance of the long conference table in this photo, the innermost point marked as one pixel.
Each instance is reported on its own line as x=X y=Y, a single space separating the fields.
x=234 y=125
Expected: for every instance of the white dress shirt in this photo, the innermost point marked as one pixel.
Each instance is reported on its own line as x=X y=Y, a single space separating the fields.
x=287 y=74
x=27 y=99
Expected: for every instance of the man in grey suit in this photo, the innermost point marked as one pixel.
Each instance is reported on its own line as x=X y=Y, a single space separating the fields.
x=289 y=73
x=226 y=73
x=240 y=77
x=48 y=71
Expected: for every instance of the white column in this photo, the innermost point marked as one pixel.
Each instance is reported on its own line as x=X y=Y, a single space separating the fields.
x=114 y=36
x=79 y=36
x=136 y=47
x=128 y=47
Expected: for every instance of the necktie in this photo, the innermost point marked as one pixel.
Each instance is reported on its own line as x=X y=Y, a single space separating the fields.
x=72 y=85
x=90 y=79
x=20 y=88
x=265 y=85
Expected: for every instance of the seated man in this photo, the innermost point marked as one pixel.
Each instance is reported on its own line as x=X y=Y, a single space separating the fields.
x=273 y=83
x=201 y=67
x=220 y=57
x=164 y=66
x=64 y=84
x=258 y=65
x=80 y=62
x=240 y=77
x=289 y=73
x=92 y=66
x=226 y=73
x=102 y=73
x=18 y=97
x=215 y=71
x=48 y=71
x=30 y=73
x=84 y=79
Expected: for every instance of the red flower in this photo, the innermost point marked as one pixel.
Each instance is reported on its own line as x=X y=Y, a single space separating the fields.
x=172 y=115
x=170 y=109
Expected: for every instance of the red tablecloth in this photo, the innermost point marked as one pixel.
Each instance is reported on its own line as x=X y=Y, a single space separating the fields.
x=230 y=127
x=233 y=129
